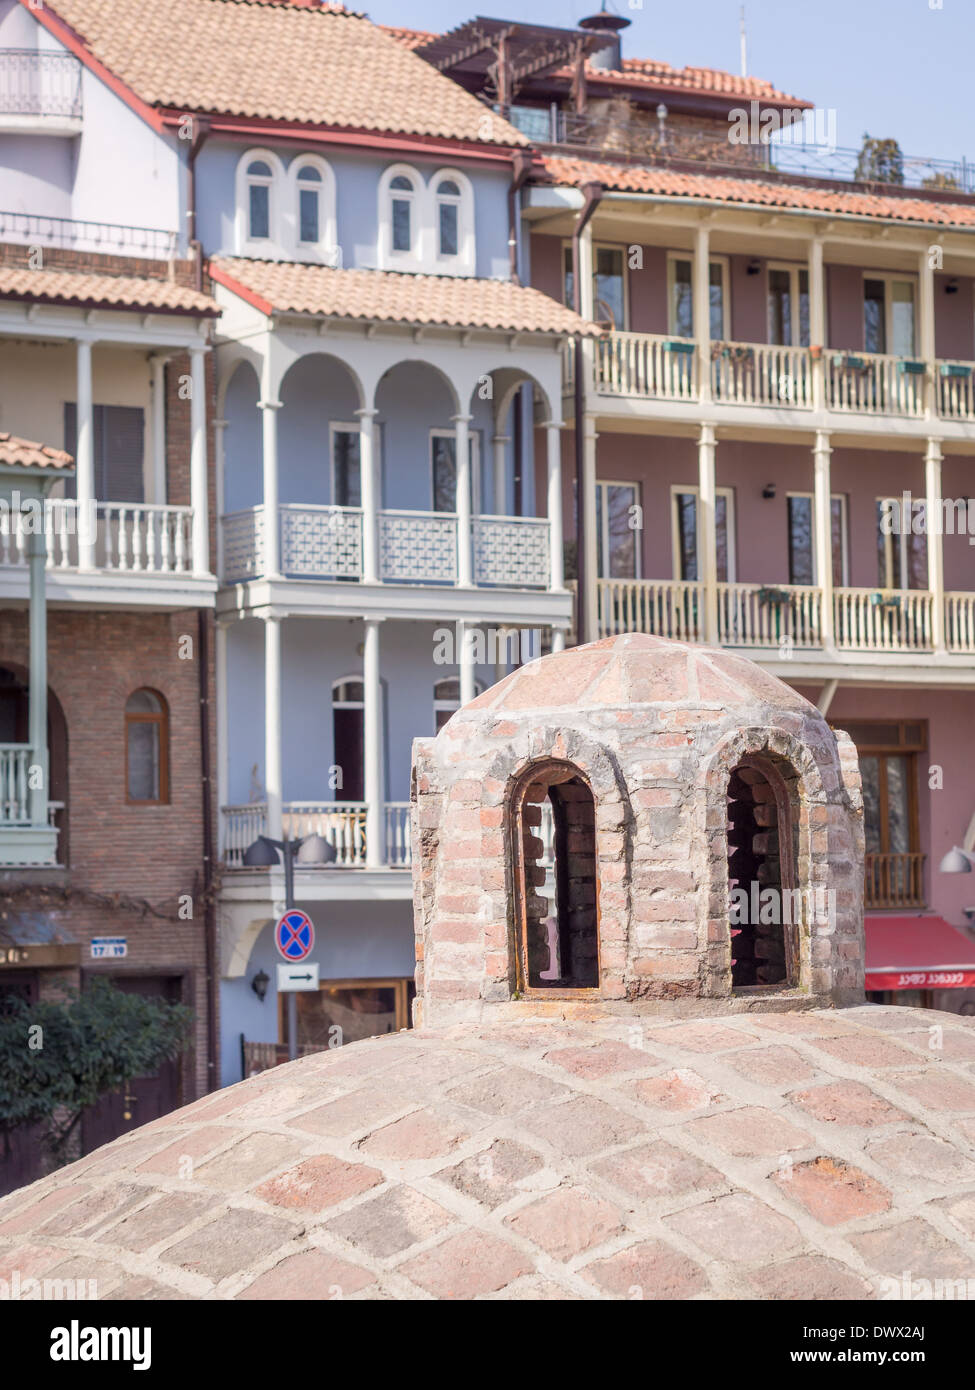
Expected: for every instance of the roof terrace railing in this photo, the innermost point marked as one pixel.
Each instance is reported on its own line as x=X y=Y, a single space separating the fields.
x=34 y=83
x=68 y=233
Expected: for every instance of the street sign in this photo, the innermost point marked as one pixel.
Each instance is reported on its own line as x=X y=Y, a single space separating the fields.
x=294 y=935
x=293 y=978
x=114 y=947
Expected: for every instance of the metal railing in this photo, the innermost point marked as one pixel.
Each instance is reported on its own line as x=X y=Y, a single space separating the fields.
x=36 y=83
x=106 y=238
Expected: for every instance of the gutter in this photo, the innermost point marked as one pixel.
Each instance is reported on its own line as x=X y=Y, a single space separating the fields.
x=210 y=907
x=593 y=193
x=201 y=129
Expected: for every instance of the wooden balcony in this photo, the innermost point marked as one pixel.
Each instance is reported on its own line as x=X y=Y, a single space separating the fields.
x=893 y=880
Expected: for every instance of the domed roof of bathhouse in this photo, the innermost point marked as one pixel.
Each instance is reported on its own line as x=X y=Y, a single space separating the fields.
x=635 y=669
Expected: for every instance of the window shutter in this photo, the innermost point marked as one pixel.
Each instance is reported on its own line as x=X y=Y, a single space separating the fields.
x=70 y=443
x=119 y=453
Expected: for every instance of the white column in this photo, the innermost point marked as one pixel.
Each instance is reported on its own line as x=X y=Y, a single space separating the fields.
x=273 y=788
x=553 y=439
x=272 y=529
x=465 y=661
x=220 y=464
x=707 y=539
x=588 y=604
x=37 y=709
x=462 y=452
x=702 y=306
x=925 y=322
x=221 y=688
x=558 y=639
x=198 y=461
x=823 y=532
x=500 y=473
x=817 y=319
x=587 y=308
x=372 y=750
x=369 y=493
x=159 y=488
x=85 y=459
x=935 y=543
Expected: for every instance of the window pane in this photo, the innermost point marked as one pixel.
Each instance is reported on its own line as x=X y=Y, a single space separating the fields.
x=347 y=693
x=608 y=284
x=683 y=305
x=568 y=282
x=780 y=308
x=402 y=231
x=260 y=211
x=401 y=182
x=721 y=537
x=447 y=689
x=804 y=308
x=917 y=558
x=716 y=279
x=444 y=473
x=449 y=189
x=902 y=317
x=870 y=774
x=143 y=737
x=801 y=569
x=260 y=169
x=308 y=214
x=686 y=503
x=143 y=702
x=836 y=512
x=622 y=538
x=874 y=325
x=346 y=447
x=448 y=229
x=898 y=814
x=309 y=174
x=361 y=1012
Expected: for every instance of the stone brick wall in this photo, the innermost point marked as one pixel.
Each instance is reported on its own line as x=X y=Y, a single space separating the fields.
x=179 y=272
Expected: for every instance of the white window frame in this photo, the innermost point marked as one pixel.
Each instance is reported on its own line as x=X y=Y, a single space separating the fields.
x=602 y=486
x=324 y=251
x=794 y=270
x=729 y=495
x=475 y=443
x=273 y=244
x=442 y=706
x=464 y=263
x=844 y=534
x=414 y=258
x=888 y=276
x=566 y=244
x=724 y=263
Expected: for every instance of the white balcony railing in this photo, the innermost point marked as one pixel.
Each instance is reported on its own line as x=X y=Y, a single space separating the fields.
x=874 y=383
x=882 y=620
x=341 y=823
x=956 y=389
x=652 y=365
x=960 y=622
x=414 y=547
x=35 y=83
x=660 y=607
x=762 y=374
x=129 y=537
x=15 y=760
x=762 y=615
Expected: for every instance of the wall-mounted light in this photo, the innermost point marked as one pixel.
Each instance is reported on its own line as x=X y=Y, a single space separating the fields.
x=754 y=267
x=951 y=287
x=768 y=491
x=260 y=983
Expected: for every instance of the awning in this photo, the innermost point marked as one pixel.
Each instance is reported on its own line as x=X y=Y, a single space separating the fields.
x=918 y=953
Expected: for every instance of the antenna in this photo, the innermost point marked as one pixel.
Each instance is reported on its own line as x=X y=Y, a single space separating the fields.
x=744 y=44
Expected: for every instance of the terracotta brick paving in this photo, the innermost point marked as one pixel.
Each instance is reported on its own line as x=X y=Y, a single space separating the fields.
x=798 y=1156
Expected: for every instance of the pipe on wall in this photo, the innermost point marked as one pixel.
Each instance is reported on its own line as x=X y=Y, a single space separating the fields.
x=593 y=193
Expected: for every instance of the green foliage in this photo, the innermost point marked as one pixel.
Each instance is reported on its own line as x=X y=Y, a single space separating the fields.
x=880 y=161
x=59 y=1057
x=942 y=180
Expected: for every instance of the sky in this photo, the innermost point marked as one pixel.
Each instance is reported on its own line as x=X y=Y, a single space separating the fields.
x=898 y=69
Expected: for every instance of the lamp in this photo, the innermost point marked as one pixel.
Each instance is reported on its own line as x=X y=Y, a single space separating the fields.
x=754 y=267
x=260 y=983
x=952 y=286
x=957 y=861
x=315 y=849
x=261 y=854
x=768 y=491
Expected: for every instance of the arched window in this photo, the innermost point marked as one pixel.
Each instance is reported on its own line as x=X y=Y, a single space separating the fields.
x=146 y=748
x=446 y=699
x=313 y=209
x=401 y=231
x=553 y=837
x=453 y=222
x=258 y=190
x=765 y=904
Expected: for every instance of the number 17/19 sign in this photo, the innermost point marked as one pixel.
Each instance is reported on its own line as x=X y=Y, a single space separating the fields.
x=294 y=935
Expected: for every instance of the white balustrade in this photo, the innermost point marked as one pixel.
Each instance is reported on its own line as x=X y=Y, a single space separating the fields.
x=243 y=545
x=956 y=389
x=399 y=853
x=418 y=547
x=960 y=622
x=882 y=620
x=652 y=365
x=764 y=615
x=15 y=760
x=240 y=827
x=511 y=550
x=144 y=537
x=875 y=383
x=341 y=823
x=661 y=607
x=321 y=542
x=762 y=374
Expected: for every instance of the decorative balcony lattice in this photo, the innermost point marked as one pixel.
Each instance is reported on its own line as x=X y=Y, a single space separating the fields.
x=512 y=551
x=321 y=542
x=243 y=545
x=418 y=547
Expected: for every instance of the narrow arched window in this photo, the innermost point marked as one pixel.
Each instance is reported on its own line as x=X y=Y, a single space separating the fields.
x=309 y=205
x=260 y=181
x=766 y=907
x=446 y=699
x=402 y=213
x=448 y=218
x=146 y=748
x=553 y=836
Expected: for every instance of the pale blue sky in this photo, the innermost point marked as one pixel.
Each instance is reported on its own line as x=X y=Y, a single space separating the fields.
x=897 y=68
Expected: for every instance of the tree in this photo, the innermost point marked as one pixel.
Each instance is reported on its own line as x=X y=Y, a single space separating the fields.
x=58 y=1057
x=880 y=161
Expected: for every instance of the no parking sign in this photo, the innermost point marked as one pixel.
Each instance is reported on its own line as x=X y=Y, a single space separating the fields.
x=294 y=935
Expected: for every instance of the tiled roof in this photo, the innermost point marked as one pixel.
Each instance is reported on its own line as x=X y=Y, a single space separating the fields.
x=109 y=291
x=390 y=296
x=287 y=62
x=725 y=188
x=25 y=453
x=758 y=1156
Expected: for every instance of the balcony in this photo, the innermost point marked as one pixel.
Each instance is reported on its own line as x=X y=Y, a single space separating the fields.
x=893 y=880
x=23 y=841
x=341 y=823
x=773 y=617
x=40 y=91
x=419 y=548
x=77 y=234
x=875 y=383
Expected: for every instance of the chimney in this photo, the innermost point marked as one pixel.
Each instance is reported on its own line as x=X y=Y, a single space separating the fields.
x=606 y=26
